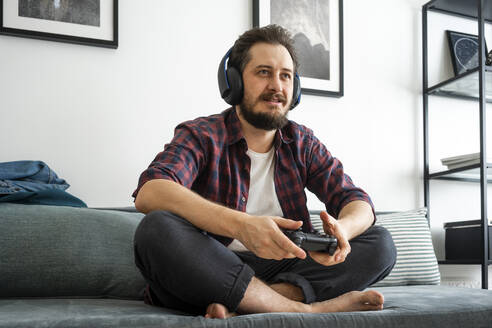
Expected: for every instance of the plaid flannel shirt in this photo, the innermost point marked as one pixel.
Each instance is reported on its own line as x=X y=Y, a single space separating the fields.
x=208 y=156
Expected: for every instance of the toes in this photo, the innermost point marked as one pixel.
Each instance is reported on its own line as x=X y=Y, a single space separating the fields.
x=373 y=297
x=371 y=307
x=218 y=311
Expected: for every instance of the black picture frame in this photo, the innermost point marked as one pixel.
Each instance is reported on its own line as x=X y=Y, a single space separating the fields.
x=463 y=49
x=320 y=80
x=105 y=35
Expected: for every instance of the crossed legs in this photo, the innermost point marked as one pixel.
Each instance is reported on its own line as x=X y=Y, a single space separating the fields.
x=190 y=271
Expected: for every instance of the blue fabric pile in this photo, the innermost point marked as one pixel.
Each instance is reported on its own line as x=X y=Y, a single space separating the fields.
x=33 y=182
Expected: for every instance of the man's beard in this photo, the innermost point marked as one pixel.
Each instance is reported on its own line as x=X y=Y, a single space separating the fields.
x=265 y=121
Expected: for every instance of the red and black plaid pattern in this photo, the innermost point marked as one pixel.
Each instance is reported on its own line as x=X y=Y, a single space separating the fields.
x=208 y=156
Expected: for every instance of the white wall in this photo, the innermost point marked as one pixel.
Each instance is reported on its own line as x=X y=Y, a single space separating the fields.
x=98 y=116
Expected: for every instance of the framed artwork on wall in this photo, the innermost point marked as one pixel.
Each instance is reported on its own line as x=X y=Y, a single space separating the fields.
x=317 y=29
x=464 y=51
x=86 y=22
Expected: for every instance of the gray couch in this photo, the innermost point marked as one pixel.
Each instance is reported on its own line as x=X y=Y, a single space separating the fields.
x=73 y=267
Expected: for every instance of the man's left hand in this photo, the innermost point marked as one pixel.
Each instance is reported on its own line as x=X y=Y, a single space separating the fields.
x=332 y=227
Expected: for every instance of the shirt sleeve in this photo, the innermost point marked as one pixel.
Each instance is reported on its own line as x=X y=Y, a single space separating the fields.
x=180 y=161
x=327 y=180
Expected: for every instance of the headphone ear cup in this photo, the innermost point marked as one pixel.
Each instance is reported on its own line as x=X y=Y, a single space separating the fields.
x=235 y=94
x=230 y=81
x=296 y=93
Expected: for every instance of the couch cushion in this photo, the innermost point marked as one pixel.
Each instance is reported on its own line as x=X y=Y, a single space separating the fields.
x=405 y=307
x=58 y=251
x=416 y=262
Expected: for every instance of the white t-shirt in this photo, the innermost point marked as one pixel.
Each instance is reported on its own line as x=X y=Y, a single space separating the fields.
x=262 y=197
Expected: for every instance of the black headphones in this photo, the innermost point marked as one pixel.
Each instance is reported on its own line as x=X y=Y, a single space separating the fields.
x=231 y=83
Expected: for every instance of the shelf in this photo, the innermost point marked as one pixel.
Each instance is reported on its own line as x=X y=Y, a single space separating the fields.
x=464 y=86
x=477 y=262
x=470 y=173
x=462 y=8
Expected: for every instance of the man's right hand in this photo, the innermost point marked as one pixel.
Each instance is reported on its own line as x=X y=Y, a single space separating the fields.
x=263 y=236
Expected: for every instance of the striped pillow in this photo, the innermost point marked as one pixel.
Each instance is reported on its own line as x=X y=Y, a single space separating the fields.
x=416 y=262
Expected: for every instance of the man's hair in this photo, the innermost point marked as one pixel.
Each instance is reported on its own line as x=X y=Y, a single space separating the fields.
x=272 y=34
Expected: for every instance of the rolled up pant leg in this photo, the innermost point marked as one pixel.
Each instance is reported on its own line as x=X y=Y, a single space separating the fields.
x=186 y=268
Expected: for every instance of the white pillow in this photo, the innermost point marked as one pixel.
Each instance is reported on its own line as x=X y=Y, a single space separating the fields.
x=416 y=262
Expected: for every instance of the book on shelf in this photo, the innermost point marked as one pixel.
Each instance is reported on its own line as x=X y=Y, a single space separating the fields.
x=456 y=162
x=463 y=164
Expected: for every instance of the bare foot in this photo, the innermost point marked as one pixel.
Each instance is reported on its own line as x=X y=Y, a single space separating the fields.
x=370 y=300
x=218 y=311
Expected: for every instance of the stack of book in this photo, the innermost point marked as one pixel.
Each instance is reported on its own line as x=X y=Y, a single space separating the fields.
x=456 y=162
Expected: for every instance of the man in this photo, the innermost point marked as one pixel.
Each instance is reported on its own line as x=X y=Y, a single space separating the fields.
x=240 y=176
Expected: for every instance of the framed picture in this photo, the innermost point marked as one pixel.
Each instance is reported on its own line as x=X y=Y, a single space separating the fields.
x=317 y=29
x=464 y=51
x=87 y=22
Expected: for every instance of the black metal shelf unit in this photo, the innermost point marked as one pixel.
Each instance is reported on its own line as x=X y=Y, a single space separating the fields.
x=474 y=85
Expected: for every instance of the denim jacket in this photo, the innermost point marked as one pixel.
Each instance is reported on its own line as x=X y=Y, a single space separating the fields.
x=28 y=176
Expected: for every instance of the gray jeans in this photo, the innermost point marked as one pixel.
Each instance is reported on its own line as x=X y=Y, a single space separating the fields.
x=187 y=269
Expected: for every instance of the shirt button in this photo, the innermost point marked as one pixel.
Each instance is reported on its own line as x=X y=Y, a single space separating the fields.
x=243 y=199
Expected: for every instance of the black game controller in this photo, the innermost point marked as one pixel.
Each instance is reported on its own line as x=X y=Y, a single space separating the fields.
x=313 y=241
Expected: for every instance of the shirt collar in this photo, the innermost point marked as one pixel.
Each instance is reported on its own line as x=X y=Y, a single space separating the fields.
x=235 y=133
x=233 y=126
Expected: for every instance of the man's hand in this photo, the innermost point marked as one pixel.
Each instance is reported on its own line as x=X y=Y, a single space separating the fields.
x=332 y=227
x=262 y=236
